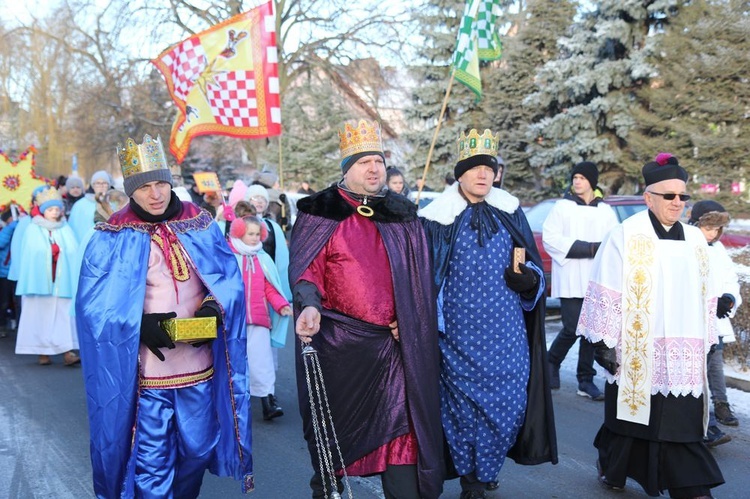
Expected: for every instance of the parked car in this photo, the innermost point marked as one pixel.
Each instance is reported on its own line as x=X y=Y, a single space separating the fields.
x=425 y=197
x=624 y=206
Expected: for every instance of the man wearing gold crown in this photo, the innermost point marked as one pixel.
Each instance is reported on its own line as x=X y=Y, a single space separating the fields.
x=161 y=412
x=362 y=289
x=495 y=393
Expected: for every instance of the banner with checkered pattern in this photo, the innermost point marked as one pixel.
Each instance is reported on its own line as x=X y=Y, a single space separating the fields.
x=225 y=80
x=477 y=41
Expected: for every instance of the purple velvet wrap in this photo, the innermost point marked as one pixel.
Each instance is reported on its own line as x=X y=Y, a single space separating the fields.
x=366 y=371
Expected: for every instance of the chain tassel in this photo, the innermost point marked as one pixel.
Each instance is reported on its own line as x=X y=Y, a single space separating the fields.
x=322 y=422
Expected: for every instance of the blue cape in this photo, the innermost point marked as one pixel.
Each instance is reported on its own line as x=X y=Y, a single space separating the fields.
x=15 y=248
x=109 y=305
x=81 y=217
x=35 y=255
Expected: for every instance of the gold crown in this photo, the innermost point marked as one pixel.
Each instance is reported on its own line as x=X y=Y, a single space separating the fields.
x=50 y=194
x=364 y=137
x=146 y=157
x=474 y=144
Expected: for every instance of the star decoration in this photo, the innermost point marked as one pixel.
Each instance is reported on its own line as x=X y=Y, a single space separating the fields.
x=18 y=179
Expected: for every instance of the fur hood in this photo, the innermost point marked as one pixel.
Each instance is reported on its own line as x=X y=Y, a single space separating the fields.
x=450 y=204
x=330 y=204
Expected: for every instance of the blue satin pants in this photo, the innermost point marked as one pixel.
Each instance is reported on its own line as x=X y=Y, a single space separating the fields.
x=177 y=434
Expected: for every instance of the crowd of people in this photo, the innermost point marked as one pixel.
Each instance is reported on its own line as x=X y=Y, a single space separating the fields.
x=428 y=325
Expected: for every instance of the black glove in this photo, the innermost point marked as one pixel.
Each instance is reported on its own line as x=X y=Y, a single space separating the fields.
x=724 y=305
x=606 y=357
x=594 y=247
x=153 y=335
x=210 y=309
x=523 y=283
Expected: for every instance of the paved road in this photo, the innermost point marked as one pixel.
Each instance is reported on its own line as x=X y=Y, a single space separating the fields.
x=44 y=443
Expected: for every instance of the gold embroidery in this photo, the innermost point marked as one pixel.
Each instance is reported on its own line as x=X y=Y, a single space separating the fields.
x=178 y=265
x=635 y=387
x=178 y=381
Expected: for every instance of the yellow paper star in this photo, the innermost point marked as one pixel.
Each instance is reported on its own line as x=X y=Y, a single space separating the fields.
x=18 y=180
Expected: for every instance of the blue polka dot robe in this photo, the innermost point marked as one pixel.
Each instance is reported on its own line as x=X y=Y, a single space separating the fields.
x=491 y=340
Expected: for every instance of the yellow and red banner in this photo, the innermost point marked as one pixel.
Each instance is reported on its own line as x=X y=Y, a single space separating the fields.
x=18 y=180
x=225 y=80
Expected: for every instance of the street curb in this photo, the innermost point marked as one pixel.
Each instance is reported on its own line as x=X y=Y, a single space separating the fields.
x=738 y=383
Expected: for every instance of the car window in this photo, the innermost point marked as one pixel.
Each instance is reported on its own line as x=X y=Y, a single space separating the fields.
x=627 y=210
x=537 y=214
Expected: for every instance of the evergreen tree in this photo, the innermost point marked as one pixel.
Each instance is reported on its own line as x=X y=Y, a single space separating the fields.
x=530 y=42
x=590 y=91
x=439 y=21
x=528 y=30
x=698 y=105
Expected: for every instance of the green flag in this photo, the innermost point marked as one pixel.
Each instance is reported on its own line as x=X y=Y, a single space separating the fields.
x=477 y=40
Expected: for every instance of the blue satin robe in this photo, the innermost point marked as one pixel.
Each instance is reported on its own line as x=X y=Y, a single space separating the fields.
x=109 y=305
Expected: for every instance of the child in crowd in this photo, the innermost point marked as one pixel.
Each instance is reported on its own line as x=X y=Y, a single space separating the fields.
x=48 y=273
x=7 y=287
x=711 y=218
x=267 y=310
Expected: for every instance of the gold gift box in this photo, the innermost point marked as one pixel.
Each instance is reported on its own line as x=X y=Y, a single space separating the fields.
x=191 y=328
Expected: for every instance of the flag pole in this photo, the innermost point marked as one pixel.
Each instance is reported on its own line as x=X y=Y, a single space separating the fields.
x=435 y=135
x=282 y=196
x=281 y=168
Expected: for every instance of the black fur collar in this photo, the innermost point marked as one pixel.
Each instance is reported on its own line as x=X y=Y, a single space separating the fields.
x=329 y=203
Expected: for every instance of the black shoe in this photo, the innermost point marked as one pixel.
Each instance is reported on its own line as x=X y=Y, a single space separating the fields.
x=473 y=494
x=714 y=436
x=589 y=389
x=493 y=485
x=603 y=480
x=554 y=376
x=724 y=414
x=270 y=409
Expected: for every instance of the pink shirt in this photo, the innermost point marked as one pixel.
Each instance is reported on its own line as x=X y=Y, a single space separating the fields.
x=184 y=365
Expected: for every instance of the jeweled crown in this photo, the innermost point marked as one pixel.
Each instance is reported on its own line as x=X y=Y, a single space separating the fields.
x=50 y=194
x=140 y=158
x=475 y=144
x=364 y=137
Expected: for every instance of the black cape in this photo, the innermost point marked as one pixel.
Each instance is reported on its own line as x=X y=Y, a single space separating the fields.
x=537 y=441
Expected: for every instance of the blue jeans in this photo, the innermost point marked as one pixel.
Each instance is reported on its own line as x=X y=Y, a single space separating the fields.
x=570 y=309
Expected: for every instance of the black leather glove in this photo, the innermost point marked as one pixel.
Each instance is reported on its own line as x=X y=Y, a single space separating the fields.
x=594 y=247
x=210 y=309
x=606 y=357
x=524 y=282
x=724 y=305
x=153 y=335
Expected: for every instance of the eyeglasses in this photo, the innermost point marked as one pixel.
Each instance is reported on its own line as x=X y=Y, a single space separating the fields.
x=101 y=184
x=670 y=196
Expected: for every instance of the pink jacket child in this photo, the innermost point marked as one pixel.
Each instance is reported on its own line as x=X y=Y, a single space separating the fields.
x=268 y=311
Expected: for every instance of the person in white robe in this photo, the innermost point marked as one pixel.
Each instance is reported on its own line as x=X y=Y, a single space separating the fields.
x=711 y=218
x=571 y=234
x=650 y=310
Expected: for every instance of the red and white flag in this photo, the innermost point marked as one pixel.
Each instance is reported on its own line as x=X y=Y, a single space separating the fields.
x=225 y=80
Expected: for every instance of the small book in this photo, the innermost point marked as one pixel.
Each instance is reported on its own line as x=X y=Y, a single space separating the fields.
x=519 y=257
